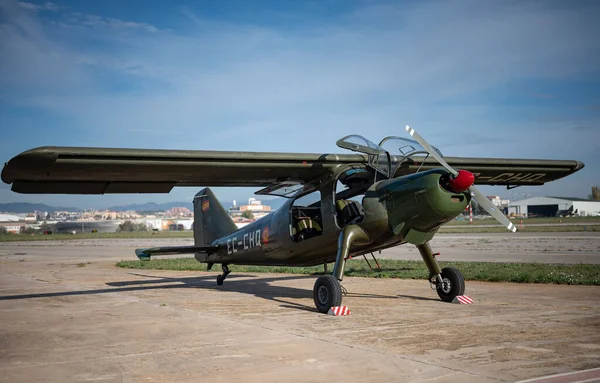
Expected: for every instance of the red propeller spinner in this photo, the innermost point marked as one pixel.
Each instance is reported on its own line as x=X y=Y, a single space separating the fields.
x=463 y=180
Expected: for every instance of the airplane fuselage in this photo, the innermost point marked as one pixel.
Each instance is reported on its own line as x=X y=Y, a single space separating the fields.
x=405 y=209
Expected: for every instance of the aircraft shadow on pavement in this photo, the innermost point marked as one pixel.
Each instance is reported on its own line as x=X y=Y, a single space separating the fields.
x=240 y=283
x=418 y=298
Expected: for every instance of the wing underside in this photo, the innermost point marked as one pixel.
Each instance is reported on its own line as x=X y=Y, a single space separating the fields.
x=72 y=170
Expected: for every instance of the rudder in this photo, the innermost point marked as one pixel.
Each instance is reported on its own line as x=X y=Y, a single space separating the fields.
x=211 y=220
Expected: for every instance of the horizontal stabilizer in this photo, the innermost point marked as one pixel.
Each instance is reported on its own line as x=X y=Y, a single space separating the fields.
x=145 y=254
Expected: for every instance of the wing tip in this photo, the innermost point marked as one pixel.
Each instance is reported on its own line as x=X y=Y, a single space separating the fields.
x=33 y=161
x=142 y=255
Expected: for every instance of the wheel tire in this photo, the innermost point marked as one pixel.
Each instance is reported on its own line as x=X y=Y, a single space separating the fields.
x=219 y=280
x=327 y=293
x=454 y=284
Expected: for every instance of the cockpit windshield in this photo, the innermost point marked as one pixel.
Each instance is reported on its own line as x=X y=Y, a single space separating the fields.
x=386 y=157
x=401 y=148
x=378 y=157
x=359 y=144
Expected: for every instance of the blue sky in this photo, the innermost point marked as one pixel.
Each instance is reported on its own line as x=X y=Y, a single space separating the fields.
x=491 y=79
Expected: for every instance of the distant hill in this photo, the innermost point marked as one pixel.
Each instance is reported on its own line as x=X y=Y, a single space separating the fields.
x=25 y=207
x=153 y=206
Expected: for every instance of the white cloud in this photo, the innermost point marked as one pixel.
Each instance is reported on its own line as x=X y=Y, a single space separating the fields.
x=108 y=22
x=48 y=6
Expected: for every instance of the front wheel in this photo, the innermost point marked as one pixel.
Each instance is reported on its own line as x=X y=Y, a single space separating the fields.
x=327 y=293
x=453 y=284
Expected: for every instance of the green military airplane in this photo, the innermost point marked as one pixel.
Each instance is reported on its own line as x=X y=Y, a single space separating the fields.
x=339 y=205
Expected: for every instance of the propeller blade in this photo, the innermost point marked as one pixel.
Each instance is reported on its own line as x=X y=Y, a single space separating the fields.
x=488 y=206
x=482 y=200
x=432 y=152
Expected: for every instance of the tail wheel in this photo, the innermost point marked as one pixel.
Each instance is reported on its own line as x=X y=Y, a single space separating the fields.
x=452 y=284
x=327 y=293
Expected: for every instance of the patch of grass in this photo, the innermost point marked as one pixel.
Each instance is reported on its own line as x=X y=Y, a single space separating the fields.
x=577 y=274
x=66 y=237
x=83 y=264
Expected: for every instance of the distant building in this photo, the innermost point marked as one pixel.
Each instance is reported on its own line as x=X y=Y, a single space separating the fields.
x=497 y=201
x=154 y=223
x=178 y=225
x=9 y=218
x=90 y=226
x=554 y=206
x=12 y=227
x=254 y=206
x=179 y=212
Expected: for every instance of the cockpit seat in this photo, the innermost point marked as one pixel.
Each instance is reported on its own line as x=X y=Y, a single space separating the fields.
x=307 y=227
x=348 y=211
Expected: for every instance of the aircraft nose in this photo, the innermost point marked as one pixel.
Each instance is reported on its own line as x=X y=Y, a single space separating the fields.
x=463 y=180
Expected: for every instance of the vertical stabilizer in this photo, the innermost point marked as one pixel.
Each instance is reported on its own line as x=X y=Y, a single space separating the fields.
x=211 y=220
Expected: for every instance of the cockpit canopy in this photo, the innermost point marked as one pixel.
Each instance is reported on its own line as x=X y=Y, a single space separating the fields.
x=386 y=157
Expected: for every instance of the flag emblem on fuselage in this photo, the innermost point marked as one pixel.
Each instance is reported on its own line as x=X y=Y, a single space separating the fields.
x=205 y=205
x=265 y=235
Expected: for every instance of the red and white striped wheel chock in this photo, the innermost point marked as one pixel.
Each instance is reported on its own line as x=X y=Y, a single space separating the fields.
x=339 y=311
x=462 y=299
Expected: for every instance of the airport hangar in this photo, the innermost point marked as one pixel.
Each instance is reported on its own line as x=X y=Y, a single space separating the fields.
x=553 y=206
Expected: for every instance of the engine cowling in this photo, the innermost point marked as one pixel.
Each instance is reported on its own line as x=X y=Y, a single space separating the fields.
x=414 y=202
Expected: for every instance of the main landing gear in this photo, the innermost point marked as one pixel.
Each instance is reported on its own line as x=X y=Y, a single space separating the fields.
x=328 y=290
x=327 y=293
x=448 y=282
x=221 y=278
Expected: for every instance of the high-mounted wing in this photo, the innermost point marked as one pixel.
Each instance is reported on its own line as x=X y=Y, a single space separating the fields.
x=499 y=171
x=73 y=170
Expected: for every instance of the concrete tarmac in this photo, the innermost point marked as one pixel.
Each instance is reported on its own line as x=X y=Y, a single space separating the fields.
x=68 y=314
x=575 y=247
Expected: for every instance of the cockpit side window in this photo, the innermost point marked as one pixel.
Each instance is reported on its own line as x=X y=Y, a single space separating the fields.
x=305 y=217
x=351 y=186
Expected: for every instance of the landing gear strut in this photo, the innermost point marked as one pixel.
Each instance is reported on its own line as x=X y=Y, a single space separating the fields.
x=448 y=282
x=328 y=290
x=221 y=278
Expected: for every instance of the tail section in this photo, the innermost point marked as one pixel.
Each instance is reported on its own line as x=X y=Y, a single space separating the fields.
x=211 y=220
